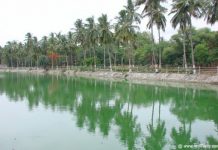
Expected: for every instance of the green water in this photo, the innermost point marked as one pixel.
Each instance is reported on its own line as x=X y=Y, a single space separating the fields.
x=62 y=113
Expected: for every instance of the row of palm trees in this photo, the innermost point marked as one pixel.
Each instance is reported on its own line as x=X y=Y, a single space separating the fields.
x=183 y=11
x=86 y=37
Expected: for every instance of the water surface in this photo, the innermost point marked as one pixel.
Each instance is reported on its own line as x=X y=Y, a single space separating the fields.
x=53 y=113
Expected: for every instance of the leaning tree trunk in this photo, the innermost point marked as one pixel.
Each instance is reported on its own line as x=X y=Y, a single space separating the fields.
x=184 y=52
x=192 y=49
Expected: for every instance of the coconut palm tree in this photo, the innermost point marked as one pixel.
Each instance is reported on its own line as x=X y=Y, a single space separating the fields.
x=125 y=28
x=80 y=36
x=71 y=46
x=125 y=34
x=160 y=21
x=36 y=50
x=211 y=11
x=92 y=36
x=105 y=36
x=29 y=47
x=181 y=18
x=195 y=10
x=52 y=45
x=184 y=10
x=62 y=47
x=154 y=11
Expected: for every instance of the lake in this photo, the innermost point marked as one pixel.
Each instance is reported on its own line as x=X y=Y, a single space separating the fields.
x=66 y=113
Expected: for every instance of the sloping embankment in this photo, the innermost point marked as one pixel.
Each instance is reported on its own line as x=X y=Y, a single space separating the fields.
x=172 y=77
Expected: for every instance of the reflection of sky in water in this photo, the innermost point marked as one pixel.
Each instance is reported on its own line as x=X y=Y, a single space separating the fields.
x=46 y=129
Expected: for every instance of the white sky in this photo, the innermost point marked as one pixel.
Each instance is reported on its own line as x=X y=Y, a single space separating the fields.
x=41 y=17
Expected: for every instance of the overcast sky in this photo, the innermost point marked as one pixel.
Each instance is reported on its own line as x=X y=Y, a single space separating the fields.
x=41 y=17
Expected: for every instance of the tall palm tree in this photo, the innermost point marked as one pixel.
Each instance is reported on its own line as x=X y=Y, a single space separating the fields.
x=36 y=50
x=92 y=35
x=160 y=21
x=52 y=44
x=80 y=37
x=154 y=11
x=195 y=10
x=211 y=11
x=62 y=47
x=29 y=47
x=181 y=18
x=125 y=34
x=184 y=10
x=126 y=28
x=105 y=36
x=71 y=46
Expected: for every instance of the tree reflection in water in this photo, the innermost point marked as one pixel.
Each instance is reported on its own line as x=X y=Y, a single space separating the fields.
x=103 y=105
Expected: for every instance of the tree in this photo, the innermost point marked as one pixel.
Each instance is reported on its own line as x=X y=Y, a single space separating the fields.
x=125 y=28
x=182 y=18
x=80 y=37
x=105 y=36
x=52 y=45
x=184 y=10
x=29 y=48
x=36 y=50
x=92 y=36
x=211 y=11
x=154 y=11
x=160 y=21
x=71 y=46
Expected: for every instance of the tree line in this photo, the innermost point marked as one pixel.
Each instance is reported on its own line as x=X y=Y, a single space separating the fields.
x=101 y=43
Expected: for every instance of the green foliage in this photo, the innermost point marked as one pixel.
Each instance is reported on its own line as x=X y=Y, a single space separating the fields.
x=201 y=54
x=101 y=43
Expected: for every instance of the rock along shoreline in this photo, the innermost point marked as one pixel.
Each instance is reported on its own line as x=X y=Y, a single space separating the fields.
x=140 y=77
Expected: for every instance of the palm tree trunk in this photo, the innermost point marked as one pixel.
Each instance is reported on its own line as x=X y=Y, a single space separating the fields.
x=104 y=58
x=94 y=57
x=84 y=56
x=153 y=53
x=192 y=49
x=52 y=63
x=160 y=53
x=17 y=63
x=129 y=55
x=110 y=59
x=71 y=58
x=31 y=62
x=67 y=62
x=184 y=52
x=115 y=59
x=37 y=61
x=11 y=62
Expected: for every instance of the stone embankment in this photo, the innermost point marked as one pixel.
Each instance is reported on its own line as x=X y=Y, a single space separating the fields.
x=139 y=77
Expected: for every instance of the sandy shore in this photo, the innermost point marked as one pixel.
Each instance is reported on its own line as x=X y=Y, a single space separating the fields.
x=165 y=79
